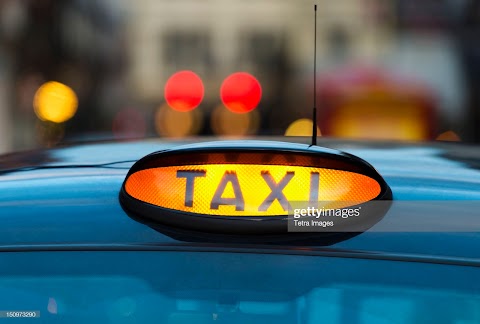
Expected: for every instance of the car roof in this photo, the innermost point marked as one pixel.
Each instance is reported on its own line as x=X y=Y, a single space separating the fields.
x=68 y=196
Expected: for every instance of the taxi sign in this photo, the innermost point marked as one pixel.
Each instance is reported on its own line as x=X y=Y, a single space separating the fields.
x=246 y=187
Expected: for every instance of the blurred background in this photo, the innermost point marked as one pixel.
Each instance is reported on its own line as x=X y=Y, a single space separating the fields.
x=80 y=70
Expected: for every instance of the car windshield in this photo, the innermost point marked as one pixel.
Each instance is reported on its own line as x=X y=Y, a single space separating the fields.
x=81 y=70
x=207 y=287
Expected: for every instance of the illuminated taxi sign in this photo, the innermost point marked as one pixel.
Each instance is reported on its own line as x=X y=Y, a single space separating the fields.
x=245 y=187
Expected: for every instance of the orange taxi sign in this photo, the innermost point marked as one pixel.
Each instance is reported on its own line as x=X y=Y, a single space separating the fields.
x=244 y=187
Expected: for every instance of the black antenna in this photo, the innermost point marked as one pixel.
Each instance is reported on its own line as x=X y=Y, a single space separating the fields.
x=314 y=128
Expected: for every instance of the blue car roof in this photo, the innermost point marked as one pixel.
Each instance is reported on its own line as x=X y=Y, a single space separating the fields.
x=69 y=196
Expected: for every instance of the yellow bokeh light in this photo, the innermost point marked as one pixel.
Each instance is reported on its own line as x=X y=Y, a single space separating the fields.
x=301 y=127
x=380 y=122
x=55 y=102
x=227 y=123
x=174 y=123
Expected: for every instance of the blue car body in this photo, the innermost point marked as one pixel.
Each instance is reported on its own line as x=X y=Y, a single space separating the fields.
x=60 y=218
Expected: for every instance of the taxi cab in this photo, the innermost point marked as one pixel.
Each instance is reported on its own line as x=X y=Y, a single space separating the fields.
x=213 y=231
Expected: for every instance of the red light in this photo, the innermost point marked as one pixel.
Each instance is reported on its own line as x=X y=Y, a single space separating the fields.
x=241 y=92
x=184 y=91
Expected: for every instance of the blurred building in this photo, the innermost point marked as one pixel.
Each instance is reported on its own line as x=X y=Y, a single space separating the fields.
x=273 y=40
x=117 y=55
x=75 y=42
